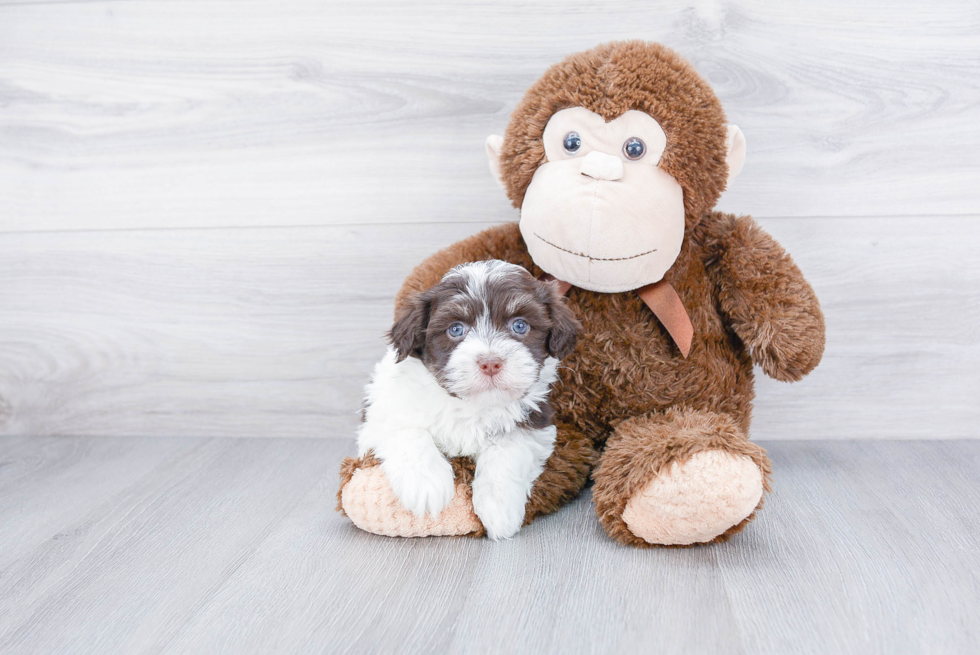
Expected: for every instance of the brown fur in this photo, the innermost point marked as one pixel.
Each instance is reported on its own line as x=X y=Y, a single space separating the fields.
x=626 y=364
x=626 y=388
x=564 y=475
x=420 y=329
x=610 y=80
x=640 y=448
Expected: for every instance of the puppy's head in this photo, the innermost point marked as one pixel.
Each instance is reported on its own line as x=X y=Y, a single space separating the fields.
x=486 y=328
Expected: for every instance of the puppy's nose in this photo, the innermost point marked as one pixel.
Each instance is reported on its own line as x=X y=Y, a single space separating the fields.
x=602 y=166
x=490 y=365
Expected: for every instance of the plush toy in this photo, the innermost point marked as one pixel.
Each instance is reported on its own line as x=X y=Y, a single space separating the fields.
x=616 y=158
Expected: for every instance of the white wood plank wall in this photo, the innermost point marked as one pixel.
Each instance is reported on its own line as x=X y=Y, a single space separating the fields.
x=206 y=207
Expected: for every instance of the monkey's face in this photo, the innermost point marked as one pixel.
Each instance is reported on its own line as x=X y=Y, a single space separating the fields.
x=606 y=191
x=599 y=213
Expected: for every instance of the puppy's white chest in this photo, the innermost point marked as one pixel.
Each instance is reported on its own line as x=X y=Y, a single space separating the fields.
x=468 y=434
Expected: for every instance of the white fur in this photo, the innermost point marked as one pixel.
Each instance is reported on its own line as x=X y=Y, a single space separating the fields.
x=412 y=423
x=462 y=372
x=505 y=472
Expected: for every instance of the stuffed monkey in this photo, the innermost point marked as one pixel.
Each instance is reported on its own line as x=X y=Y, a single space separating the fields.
x=616 y=157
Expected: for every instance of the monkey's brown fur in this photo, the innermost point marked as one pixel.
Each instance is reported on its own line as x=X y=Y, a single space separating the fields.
x=628 y=405
x=610 y=80
x=646 y=445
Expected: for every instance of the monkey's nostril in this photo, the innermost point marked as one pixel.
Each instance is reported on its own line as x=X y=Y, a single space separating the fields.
x=490 y=365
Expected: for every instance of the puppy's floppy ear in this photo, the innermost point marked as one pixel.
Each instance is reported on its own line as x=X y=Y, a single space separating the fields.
x=407 y=335
x=564 y=326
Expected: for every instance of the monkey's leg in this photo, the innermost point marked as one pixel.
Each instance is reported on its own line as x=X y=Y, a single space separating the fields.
x=680 y=478
x=367 y=499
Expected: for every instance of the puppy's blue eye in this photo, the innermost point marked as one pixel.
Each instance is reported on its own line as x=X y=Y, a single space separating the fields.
x=520 y=326
x=634 y=148
x=572 y=142
x=456 y=330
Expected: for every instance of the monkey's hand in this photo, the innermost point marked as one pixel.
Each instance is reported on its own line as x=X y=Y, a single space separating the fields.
x=764 y=296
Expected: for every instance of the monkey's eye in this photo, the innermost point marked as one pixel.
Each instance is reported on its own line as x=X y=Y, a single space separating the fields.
x=520 y=326
x=572 y=142
x=634 y=148
x=456 y=330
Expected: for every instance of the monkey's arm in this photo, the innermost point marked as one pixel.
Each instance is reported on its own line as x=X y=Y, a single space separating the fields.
x=764 y=296
x=498 y=242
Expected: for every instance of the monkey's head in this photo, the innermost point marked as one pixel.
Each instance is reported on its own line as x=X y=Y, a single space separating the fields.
x=611 y=156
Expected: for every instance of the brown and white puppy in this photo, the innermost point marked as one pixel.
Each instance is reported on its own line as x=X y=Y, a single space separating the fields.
x=468 y=374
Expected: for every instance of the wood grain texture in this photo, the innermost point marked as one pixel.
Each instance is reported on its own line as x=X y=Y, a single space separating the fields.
x=42 y=485
x=176 y=536
x=221 y=113
x=273 y=332
x=231 y=546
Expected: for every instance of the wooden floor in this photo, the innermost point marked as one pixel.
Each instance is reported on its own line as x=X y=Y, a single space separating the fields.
x=160 y=545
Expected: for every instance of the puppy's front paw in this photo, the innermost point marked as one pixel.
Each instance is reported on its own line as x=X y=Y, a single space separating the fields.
x=424 y=484
x=502 y=517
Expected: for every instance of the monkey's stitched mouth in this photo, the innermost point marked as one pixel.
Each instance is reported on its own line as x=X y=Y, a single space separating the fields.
x=590 y=258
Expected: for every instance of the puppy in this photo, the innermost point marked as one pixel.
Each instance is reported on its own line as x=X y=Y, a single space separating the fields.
x=468 y=373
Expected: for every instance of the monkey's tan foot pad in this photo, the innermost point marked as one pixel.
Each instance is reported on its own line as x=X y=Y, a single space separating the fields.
x=696 y=501
x=369 y=501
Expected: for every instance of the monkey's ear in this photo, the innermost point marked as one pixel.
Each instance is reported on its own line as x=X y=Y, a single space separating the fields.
x=407 y=335
x=495 y=143
x=734 y=153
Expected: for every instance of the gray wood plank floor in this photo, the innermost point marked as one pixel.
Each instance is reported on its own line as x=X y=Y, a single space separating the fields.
x=183 y=545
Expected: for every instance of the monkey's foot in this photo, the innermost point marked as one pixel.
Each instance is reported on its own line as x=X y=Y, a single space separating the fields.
x=366 y=497
x=680 y=478
x=697 y=501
